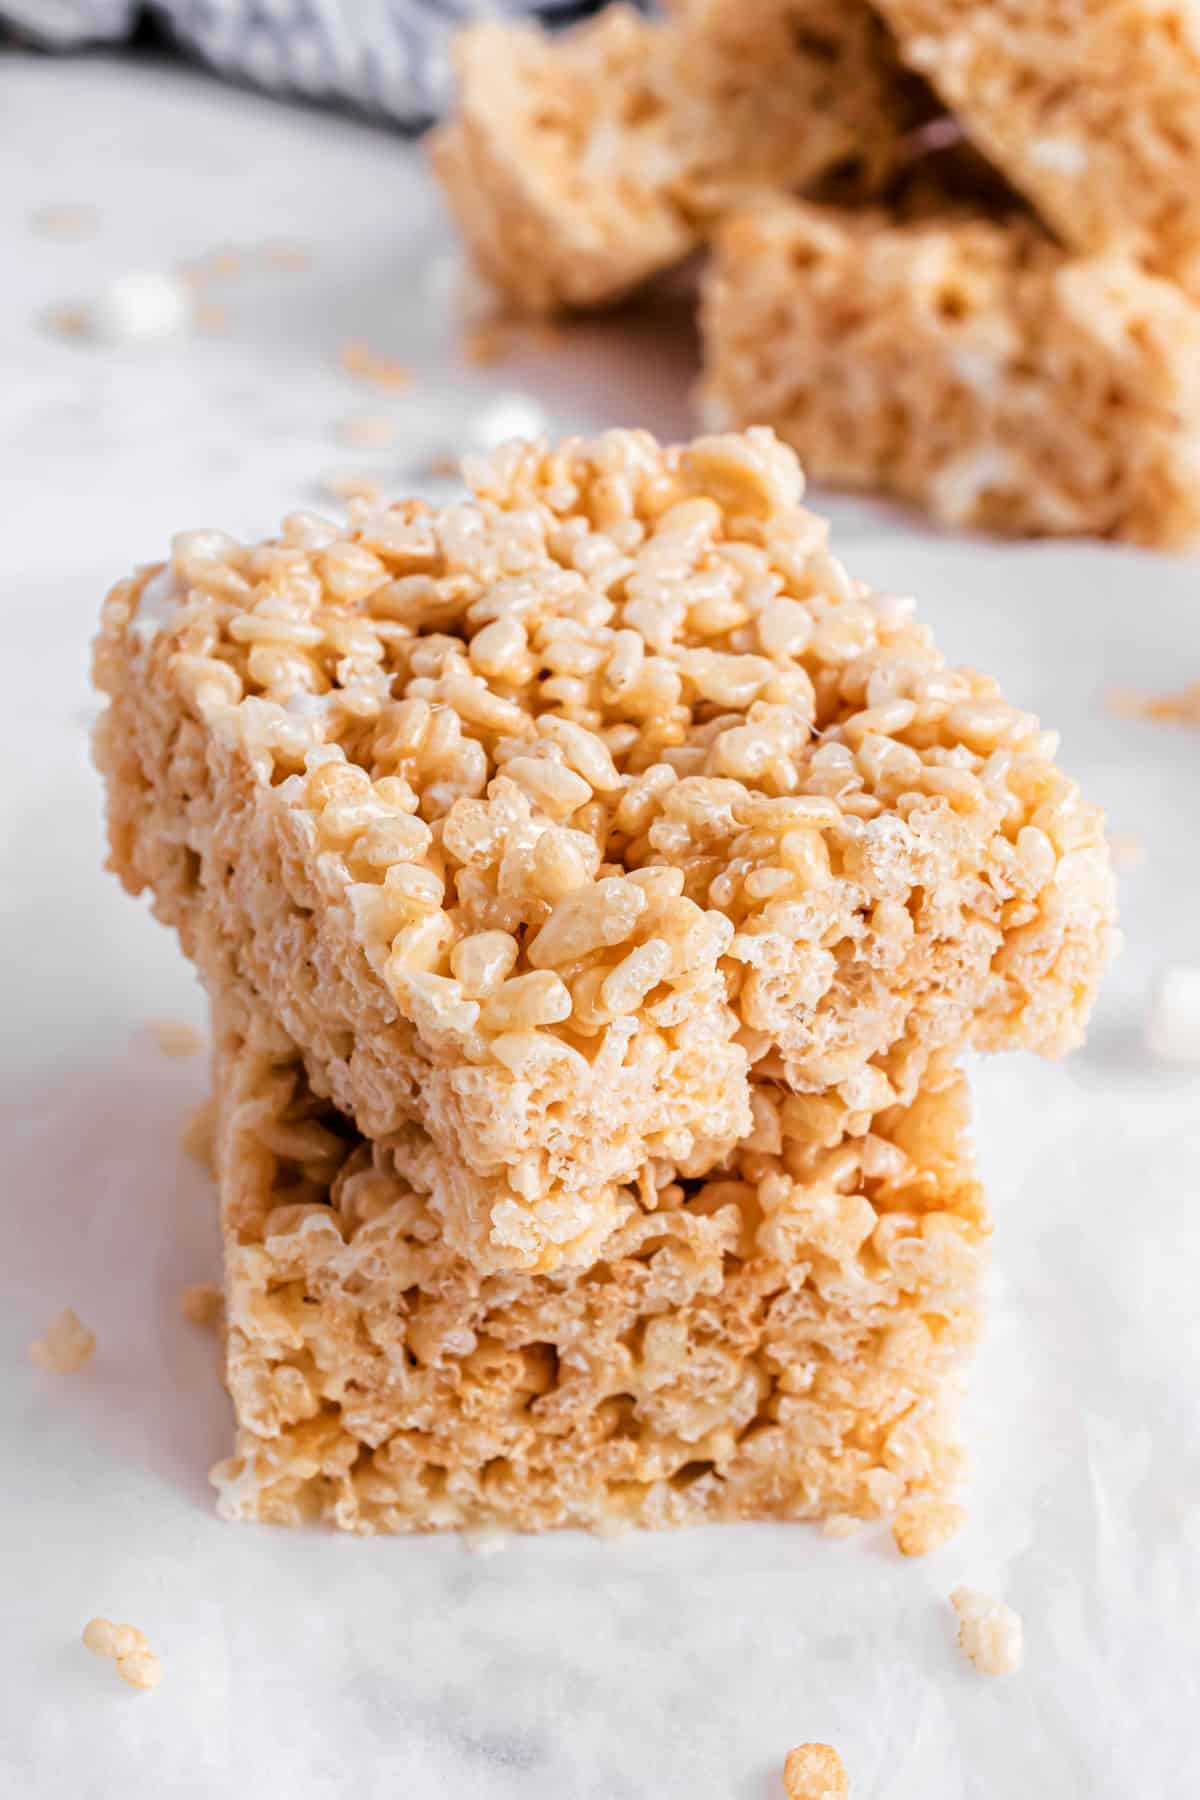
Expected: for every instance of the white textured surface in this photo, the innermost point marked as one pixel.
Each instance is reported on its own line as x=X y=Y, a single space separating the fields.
x=563 y=1669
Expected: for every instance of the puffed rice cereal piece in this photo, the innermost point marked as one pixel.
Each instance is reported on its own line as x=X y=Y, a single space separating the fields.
x=925 y=1523
x=535 y=819
x=141 y=1669
x=65 y=1346
x=783 y=1338
x=1092 y=111
x=103 y=1638
x=815 y=1772
x=964 y=363
x=989 y=1632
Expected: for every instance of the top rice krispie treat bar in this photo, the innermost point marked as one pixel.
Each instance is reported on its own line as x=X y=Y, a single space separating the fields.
x=1090 y=107
x=579 y=165
x=541 y=818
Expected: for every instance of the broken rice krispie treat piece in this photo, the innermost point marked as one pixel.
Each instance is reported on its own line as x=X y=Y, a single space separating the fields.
x=515 y=812
x=782 y=1339
x=963 y=363
x=776 y=95
x=557 y=160
x=578 y=165
x=1091 y=110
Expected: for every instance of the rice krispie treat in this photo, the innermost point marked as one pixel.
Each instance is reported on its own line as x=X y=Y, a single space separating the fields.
x=964 y=363
x=578 y=165
x=783 y=1339
x=538 y=818
x=1092 y=109
x=558 y=158
x=776 y=95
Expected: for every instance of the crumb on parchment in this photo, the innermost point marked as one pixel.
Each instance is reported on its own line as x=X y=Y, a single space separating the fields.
x=990 y=1633
x=815 y=1772
x=65 y=1346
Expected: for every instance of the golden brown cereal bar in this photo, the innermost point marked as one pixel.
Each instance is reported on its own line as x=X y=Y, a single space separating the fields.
x=784 y=1339
x=964 y=363
x=537 y=819
x=557 y=160
x=579 y=165
x=776 y=95
x=1090 y=107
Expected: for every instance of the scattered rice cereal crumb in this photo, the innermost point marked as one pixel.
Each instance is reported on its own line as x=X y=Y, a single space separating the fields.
x=350 y=484
x=367 y=430
x=989 y=1632
x=175 y=1037
x=141 y=1669
x=358 y=358
x=64 y=221
x=201 y=1303
x=1182 y=708
x=1173 y=1015
x=921 y=1526
x=815 y=1772
x=66 y=321
x=840 y=1525
x=196 y=1138
x=445 y=467
x=103 y=1638
x=66 y=1345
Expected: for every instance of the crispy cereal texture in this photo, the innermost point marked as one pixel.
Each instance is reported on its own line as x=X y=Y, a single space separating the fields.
x=990 y=1633
x=537 y=819
x=965 y=364
x=815 y=1772
x=1090 y=107
x=579 y=165
x=782 y=1339
x=776 y=95
x=557 y=160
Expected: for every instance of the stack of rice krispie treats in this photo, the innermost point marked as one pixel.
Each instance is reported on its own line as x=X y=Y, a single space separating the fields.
x=954 y=244
x=596 y=888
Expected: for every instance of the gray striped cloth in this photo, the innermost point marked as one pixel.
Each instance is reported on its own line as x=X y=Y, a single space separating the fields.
x=386 y=57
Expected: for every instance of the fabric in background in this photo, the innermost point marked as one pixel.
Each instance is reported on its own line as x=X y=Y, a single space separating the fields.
x=385 y=57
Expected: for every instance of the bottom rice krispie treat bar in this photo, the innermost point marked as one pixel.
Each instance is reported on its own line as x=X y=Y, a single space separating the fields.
x=965 y=363
x=783 y=1339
